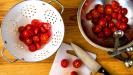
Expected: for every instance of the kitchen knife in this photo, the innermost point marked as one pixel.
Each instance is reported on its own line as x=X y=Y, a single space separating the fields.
x=87 y=59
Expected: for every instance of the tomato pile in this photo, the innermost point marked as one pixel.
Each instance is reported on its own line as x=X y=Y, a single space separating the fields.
x=35 y=35
x=76 y=64
x=106 y=19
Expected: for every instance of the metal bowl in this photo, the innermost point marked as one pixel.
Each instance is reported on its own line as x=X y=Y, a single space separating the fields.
x=85 y=26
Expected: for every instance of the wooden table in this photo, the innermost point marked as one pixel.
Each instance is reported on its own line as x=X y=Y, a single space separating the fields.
x=72 y=34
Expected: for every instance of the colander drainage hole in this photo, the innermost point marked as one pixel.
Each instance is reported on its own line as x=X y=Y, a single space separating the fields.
x=43 y=4
x=22 y=59
x=5 y=42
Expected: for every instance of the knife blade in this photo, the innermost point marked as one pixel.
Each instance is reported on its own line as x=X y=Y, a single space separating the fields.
x=88 y=60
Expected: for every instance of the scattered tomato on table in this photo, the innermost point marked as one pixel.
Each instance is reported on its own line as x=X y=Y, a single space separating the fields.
x=64 y=63
x=77 y=63
x=74 y=73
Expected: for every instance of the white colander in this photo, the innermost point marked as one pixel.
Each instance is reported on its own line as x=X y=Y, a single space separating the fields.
x=22 y=14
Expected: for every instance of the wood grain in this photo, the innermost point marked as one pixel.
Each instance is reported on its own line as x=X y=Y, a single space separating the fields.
x=72 y=34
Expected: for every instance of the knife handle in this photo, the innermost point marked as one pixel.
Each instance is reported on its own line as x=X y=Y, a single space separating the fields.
x=102 y=70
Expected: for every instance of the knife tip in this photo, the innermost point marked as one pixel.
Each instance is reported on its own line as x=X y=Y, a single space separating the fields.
x=72 y=44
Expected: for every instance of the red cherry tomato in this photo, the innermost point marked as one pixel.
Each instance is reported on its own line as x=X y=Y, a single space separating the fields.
x=26 y=33
x=43 y=38
x=113 y=29
x=123 y=26
x=36 y=30
x=115 y=4
x=28 y=27
x=118 y=24
x=64 y=63
x=47 y=26
x=102 y=22
x=108 y=9
x=32 y=48
x=36 y=38
x=88 y=16
x=111 y=24
x=108 y=17
x=77 y=63
x=74 y=73
x=40 y=24
x=35 y=22
x=114 y=15
x=28 y=41
x=21 y=29
x=99 y=8
x=118 y=9
x=124 y=19
x=101 y=35
x=107 y=32
x=119 y=17
x=124 y=11
x=21 y=37
x=94 y=21
x=95 y=14
x=42 y=29
x=97 y=29
x=49 y=33
x=38 y=46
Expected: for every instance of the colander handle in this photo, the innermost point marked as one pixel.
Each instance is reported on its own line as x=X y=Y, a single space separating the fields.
x=56 y=1
x=5 y=58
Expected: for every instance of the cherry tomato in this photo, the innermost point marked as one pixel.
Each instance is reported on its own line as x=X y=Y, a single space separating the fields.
x=28 y=41
x=38 y=46
x=32 y=48
x=35 y=22
x=74 y=73
x=77 y=63
x=36 y=38
x=21 y=29
x=64 y=63
x=43 y=38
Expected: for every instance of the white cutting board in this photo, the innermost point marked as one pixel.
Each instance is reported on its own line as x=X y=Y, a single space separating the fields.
x=56 y=68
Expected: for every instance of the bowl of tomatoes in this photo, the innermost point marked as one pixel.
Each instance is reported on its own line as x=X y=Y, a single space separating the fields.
x=99 y=19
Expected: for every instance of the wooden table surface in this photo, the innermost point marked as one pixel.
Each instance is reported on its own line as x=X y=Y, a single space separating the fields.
x=72 y=34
